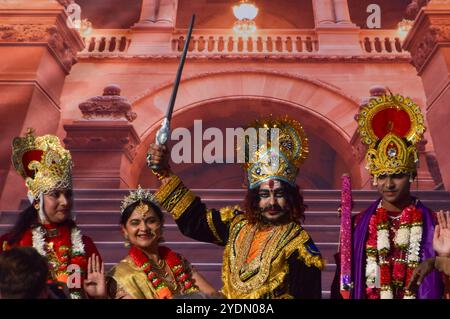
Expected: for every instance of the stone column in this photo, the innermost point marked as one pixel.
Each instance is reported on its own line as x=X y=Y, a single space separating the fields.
x=340 y=36
x=429 y=45
x=157 y=13
x=323 y=12
x=152 y=34
x=103 y=144
x=342 y=12
x=37 y=50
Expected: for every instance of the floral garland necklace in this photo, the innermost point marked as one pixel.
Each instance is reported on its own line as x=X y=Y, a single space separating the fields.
x=176 y=265
x=61 y=252
x=379 y=272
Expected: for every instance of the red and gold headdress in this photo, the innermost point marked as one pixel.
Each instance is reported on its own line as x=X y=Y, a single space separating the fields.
x=391 y=126
x=43 y=162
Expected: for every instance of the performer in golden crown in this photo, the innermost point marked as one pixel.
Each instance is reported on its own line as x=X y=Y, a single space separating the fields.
x=48 y=223
x=267 y=253
x=395 y=233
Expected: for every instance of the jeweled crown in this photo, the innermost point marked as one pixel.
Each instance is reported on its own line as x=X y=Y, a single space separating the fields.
x=391 y=126
x=43 y=162
x=278 y=158
x=136 y=195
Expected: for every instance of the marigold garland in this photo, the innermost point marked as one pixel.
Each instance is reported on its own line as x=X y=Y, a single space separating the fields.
x=173 y=261
x=61 y=251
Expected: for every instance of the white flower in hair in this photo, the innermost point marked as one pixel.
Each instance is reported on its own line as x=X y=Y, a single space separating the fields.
x=139 y=194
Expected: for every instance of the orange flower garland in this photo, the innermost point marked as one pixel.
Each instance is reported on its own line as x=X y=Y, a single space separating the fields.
x=173 y=261
x=60 y=252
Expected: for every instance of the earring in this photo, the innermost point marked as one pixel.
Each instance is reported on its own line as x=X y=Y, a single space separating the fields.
x=126 y=242
x=375 y=181
x=37 y=205
x=411 y=178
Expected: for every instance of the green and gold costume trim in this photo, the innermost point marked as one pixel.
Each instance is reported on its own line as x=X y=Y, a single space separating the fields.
x=264 y=276
x=175 y=197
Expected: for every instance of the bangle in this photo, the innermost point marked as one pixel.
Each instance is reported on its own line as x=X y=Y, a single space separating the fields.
x=161 y=175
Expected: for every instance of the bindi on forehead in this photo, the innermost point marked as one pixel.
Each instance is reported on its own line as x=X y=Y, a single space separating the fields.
x=271 y=185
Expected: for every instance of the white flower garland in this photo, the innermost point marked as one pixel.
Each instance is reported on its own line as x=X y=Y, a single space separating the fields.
x=414 y=246
x=372 y=272
x=383 y=242
x=38 y=238
x=77 y=242
x=410 y=237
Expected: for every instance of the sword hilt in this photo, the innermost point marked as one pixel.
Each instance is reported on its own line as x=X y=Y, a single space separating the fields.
x=162 y=135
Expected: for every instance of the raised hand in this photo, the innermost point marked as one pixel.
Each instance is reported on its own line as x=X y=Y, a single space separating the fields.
x=95 y=283
x=159 y=155
x=441 y=239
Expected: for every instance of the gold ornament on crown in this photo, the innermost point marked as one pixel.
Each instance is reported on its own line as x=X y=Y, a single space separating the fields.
x=43 y=162
x=140 y=195
x=391 y=126
x=275 y=158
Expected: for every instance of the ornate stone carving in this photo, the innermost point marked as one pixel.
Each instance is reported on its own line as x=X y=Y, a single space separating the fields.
x=429 y=39
x=109 y=106
x=24 y=32
x=414 y=7
x=62 y=49
x=40 y=33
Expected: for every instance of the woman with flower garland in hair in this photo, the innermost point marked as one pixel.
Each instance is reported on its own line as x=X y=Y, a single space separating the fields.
x=48 y=224
x=150 y=271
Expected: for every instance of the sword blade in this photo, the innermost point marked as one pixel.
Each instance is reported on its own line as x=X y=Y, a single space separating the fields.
x=180 y=71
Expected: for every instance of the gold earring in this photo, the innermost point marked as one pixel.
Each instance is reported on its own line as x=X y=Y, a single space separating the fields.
x=37 y=205
x=126 y=242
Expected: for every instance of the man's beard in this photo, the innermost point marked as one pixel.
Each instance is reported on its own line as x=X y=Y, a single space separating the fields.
x=283 y=218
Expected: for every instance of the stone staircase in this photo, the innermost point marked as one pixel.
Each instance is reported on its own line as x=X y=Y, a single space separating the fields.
x=97 y=214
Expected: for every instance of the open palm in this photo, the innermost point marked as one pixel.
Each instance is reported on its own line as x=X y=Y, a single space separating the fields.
x=441 y=239
x=95 y=285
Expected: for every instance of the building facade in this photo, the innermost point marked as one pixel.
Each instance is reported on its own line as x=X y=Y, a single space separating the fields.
x=104 y=89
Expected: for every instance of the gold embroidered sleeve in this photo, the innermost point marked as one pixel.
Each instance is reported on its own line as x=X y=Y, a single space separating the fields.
x=227 y=213
x=309 y=253
x=175 y=197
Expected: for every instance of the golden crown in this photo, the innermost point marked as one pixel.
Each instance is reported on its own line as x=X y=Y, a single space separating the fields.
x=277 y=153
x=43 y=162
x=391 y=126
x=134 y=196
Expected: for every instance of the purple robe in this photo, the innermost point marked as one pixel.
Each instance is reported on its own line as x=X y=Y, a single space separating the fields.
x=432 y=286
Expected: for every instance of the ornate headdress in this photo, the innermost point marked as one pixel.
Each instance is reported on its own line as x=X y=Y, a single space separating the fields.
x=43 y=162
x=391 y=126
x=139 y=194
x=284 y=147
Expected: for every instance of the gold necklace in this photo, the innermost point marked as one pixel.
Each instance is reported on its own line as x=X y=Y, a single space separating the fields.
x=262 y=264
x=160 y=267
